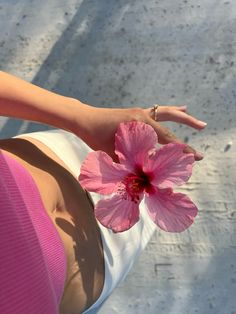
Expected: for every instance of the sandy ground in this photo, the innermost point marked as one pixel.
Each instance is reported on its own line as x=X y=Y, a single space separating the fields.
x=130 y=53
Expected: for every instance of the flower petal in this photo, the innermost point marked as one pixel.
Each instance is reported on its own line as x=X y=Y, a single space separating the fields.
x=117 y=213
x=172 y=212
x=169 y=165
x=100 y=174
x=133 y=141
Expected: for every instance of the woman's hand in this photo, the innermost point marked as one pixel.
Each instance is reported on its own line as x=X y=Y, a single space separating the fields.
x=99 y=125
x=96 y=126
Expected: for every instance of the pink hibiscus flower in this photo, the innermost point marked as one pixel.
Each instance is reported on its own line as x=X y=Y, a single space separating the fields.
x=143 y=172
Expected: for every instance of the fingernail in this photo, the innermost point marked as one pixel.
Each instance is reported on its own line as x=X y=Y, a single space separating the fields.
x=201 y=123
x=198 y=156
x=183 y=107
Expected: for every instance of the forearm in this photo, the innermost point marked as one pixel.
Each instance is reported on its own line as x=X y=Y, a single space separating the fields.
x=23 y=100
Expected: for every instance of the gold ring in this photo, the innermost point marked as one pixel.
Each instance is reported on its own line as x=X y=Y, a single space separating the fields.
x=155 y=107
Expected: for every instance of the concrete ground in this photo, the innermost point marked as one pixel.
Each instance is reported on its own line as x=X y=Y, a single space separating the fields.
x=136 y=53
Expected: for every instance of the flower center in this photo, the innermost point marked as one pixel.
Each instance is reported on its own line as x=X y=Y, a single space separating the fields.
x=135 y=185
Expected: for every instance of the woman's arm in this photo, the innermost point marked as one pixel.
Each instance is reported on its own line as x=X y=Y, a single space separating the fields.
x=96 y=126
x=23 y=100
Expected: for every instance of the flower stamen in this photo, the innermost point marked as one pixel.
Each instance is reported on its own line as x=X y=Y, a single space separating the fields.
x=134 y=186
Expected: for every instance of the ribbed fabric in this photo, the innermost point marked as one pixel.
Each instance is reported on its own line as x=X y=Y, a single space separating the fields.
x=121 y=250
x=32 y=257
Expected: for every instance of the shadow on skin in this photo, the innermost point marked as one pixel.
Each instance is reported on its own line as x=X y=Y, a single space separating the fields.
x=81 y=243
x=82 y=227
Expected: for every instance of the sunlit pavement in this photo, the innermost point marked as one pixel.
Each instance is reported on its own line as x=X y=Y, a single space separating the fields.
x=137 y=53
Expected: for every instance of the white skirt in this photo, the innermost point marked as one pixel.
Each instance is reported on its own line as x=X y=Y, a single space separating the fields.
x=120 y=249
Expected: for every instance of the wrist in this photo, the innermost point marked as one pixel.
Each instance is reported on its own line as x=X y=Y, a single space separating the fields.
x=77 y=117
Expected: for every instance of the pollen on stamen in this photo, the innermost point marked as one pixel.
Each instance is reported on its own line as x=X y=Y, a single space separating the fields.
x=135 y=199
x=122 y=191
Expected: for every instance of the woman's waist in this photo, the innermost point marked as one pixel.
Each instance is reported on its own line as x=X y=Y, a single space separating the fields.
x=30 y=211
x=67 y=206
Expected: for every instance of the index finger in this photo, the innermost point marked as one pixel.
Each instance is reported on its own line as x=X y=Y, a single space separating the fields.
x=182 y=117
x=175 y=114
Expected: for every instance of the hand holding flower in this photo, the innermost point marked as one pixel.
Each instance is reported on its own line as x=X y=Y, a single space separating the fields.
x=97 y=126
x=143 y=172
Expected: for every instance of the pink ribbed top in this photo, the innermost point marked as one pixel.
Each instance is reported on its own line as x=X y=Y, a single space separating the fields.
x=32 y=256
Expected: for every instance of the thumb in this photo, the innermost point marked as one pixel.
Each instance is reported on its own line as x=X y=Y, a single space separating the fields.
x=165 y=136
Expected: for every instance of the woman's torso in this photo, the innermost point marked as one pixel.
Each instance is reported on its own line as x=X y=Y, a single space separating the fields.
x=67 y=204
